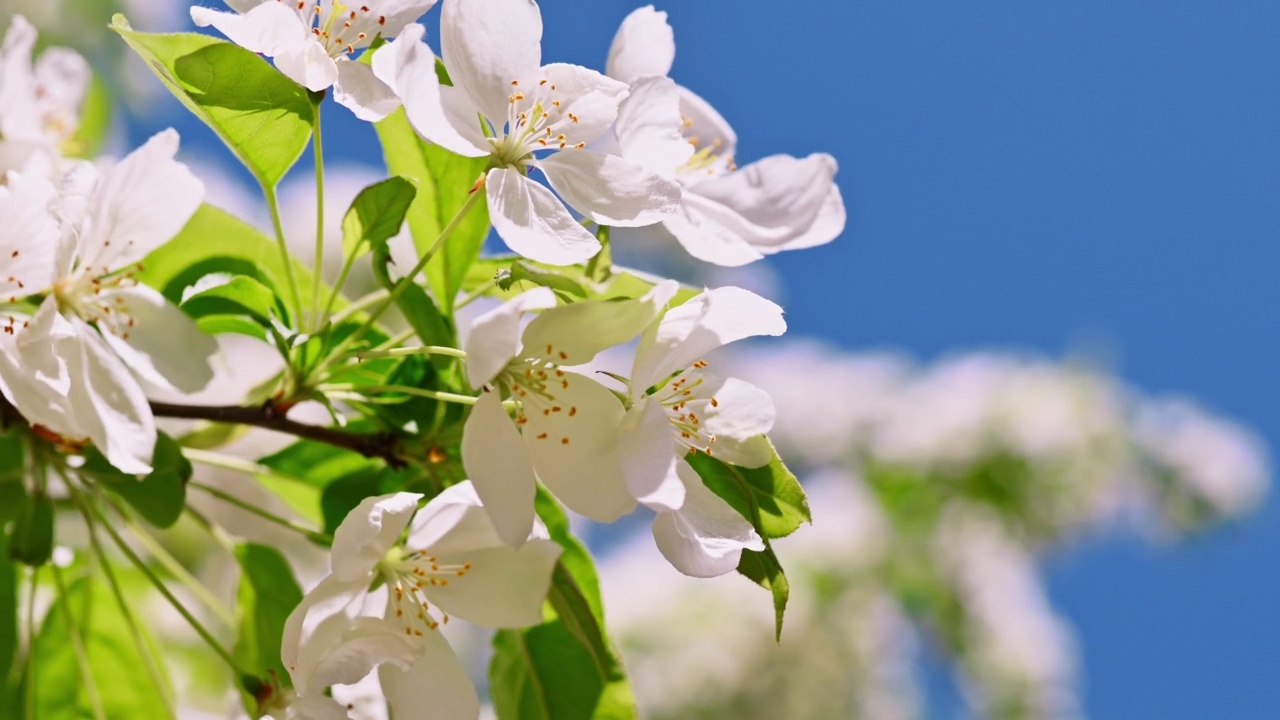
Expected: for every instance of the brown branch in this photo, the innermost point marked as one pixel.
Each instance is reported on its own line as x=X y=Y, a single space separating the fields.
x=269 y=417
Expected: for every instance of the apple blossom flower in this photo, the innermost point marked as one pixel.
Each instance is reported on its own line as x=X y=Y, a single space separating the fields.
x=99 y=337
x=452 y=563
x=312 y=42
x=679 y=408
x=40 y=103
x=565 y=429
x=727 y=215
x=506 y=105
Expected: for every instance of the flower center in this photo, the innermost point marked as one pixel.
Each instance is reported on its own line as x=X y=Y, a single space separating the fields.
x=686 y=399
x=88 y=297
x=534 y=384
x=341 y=29
x=707 y=158
x=409 y=579
x=535 y=121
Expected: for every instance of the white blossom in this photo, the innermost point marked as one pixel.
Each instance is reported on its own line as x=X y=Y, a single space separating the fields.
x=727 y=215
x=524 y=115
x=312 y=42
x=39 y=103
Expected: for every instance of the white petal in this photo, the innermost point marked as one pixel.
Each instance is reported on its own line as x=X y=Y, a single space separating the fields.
x=649 y=127
x=29 y=236
x=706 y=537
x=610 y=190
x=781 y=202
x=499 y=468
x=365 y=95
x=110 y=404
x=573 y=441
x=19 y=118
x=689 y=331
x=494 y=340
x=63 y=77
x=308 y=64
x=574 y=334
x=267 y=28
x=39 y=394
x=408 y=67
x=533 y=222
x=708 y=126
x=436 y=685
x=742 y=410
x=588 y=99
x=163 y=345
x=648 y=457
x=711 y=232
x=316 y=707
x=368 y=532
x=395 y=15
x=453 y=522
x=486 y=45
x=368 y=643
x=643 y=46
x=505 y=586
x=315 y=625
x=138 y=205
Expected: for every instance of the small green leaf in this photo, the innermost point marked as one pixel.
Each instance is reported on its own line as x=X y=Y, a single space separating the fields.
x=506 y=276
x=264 y=117
x=124 y=687
x=241 y=295
x=158 y=497
x=764 y=569
x=770 y=496
x=268 y=593
x=376 y=215
x=31 y=542
x=445 y=181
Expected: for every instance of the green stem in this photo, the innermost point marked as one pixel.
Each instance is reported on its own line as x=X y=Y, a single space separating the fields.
x=77 y=645
x=314 y=536
x=409 y=351
x=273 y=204
x=179 y=573
x=144 y=648
x=417 y=392
x=359 y=304
x=227 y=462
x=155 y=580
x=318 y=270
x=29 y=692
x=409 y=278
x=476 y=294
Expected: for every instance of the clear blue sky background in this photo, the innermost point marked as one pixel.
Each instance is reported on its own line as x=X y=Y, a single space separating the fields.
x=1052 y=175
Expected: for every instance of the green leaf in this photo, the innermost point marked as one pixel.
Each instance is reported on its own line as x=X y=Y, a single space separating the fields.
x=771 y=499
x=116 y=662
x=31 y=542
x=241 y=295
x=158 y=497
x=565 y=668
x=8 y=628
x=445 y=180
x=264 y=117
x=215 y=242
x=764 y=569
x=268 y=593
x=770 y=496
x=377 y=214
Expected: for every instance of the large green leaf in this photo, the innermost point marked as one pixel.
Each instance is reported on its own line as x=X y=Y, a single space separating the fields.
x=565 y=668
x=239 y=296
x=445 y=181
x=377 y=214
x=215 y=242
x=124 y=687
x=264 y=117
x=160 y=496
x=268 y=593
x=769 y=496
x=771 y=499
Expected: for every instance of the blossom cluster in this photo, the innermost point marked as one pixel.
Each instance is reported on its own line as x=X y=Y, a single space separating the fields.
x=92 y=342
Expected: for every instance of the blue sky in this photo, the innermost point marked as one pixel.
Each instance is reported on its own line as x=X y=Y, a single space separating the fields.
x=1085 y=176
